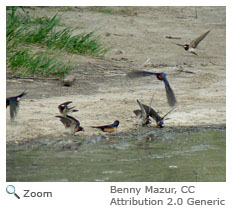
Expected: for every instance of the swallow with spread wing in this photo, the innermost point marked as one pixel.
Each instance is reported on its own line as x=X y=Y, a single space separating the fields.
x=193 y=45
x=71 y=123
x=108 y=128
x=13 y=102
x=143 y=115
x=152 y=113
x=160 y=76
x=64 y=109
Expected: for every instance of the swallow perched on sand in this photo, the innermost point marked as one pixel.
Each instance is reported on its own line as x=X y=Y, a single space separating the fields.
x=64 y=109
x=152 y=113
x=71 y=123
x=143 y=115
x=13 y=102
x=160 y=76
x=193 y=45
x=108 y=128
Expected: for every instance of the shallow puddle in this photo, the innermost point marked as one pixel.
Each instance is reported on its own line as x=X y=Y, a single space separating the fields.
x=150 y=154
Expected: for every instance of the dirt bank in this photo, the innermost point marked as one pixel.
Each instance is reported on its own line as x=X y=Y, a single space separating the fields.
x=102 y=92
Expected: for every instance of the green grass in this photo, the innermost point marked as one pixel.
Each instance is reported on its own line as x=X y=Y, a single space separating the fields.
x=23 y=63
x=31 y=41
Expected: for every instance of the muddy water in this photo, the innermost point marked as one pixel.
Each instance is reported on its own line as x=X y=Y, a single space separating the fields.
x=151 y=154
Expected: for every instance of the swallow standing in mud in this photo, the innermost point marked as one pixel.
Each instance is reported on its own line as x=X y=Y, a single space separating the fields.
x=71 y=123
x=108 y=128
x=143 y=115
x=152 y=113
x=193 y=45
x=13 y=102
x=64 y=109
x=160 y=76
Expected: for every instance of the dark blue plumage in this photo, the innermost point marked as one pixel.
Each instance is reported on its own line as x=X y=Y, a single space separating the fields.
x=108 y=128
x=13 y=102
x=160 y=76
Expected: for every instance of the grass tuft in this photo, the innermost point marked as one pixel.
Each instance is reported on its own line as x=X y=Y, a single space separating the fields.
x=24 y=63
x=40 y=33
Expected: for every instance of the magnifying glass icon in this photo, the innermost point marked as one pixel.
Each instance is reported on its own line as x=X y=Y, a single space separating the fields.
x=10 y=189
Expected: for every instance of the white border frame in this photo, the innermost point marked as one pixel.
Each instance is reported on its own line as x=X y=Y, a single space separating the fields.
x=93 y=197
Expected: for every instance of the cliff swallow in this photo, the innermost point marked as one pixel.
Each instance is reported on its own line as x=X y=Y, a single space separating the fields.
x=152 y=113
x=108 y=128
x=13 y=102
x=64 y=109
x=143 y=115
x=191 y=47
x=71 y=123
x=160 y=76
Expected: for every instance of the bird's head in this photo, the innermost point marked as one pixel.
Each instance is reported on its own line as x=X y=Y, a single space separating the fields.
x=186 y=47
x=161 y=76
x=79 y=128
x=116 y=122
x=148 y=121
x=160 y=123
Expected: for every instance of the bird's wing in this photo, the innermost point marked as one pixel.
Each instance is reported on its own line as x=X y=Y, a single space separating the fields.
x=75 y=121
x=152 y=112
x=196 y=41
x=179 y=44
x=137 y=112
x=65 y=103
x=14 y=104
x=170 y=95
x=22 y=94
x=14 y=107
x=168 y=112
x=70 y=109
x=169 y=92
x=66 y=121
x=105 y=126
x=16 y=98
x=148 y=113
x=101 y=126
x=143 y=112
x=140 y=73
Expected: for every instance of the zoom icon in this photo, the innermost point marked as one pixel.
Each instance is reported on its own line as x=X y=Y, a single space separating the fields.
x=10 y=189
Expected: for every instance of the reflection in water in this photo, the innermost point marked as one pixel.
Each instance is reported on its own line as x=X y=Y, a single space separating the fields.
x=151 y=154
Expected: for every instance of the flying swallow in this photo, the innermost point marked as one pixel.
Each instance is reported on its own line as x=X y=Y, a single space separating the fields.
x=64 y=109
x=13 y=102
x=152 y=113
x=193 y=45
x=143 y=115
x=160 y=76
x=71 y=123
x=108 y=128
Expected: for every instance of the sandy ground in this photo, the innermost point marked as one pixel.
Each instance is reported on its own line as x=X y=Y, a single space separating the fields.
x=103 y=93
